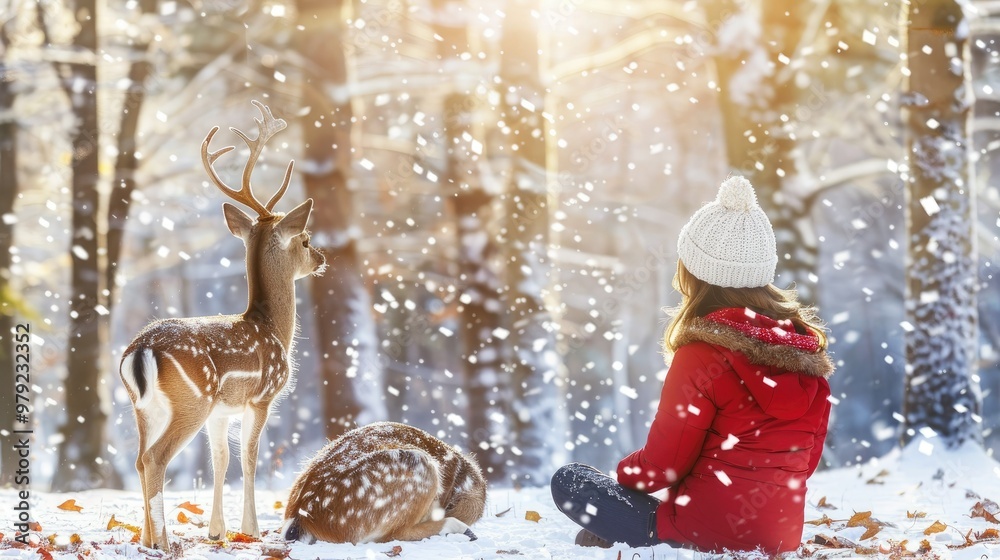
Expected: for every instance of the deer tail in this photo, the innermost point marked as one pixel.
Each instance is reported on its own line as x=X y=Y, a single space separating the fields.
x=138 y=370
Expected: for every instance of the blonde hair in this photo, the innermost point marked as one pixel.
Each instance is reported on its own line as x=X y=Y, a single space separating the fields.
x=701 y=298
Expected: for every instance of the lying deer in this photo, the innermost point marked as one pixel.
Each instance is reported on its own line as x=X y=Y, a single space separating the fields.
x=385 y=482
x=182 y=374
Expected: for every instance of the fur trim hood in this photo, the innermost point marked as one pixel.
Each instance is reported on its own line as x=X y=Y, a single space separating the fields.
x=761 y=340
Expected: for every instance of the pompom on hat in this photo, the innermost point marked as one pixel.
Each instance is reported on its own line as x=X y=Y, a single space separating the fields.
x=729 y=242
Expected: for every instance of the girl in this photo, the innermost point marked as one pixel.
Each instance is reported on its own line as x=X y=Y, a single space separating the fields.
x=743 y=413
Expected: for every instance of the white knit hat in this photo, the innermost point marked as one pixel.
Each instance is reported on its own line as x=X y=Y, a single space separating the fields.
x=729 y=241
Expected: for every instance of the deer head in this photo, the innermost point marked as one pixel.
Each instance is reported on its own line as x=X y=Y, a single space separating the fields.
x=275 y=242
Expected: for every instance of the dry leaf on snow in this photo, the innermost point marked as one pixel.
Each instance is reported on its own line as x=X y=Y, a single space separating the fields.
x=988 y=534
x=871 y=530
x=114 y=523
x=181 y=518
x=823 y=505
x=274 y=550
x=935 y=527
x=823 y=521
x=396 y=551
x=278 y=505
x=980 y=510
x=831 y=542
x=192 y=508
x=69 y=505
x=859 y=519
x=916 y=514
x=240 y=538
x=532 y=516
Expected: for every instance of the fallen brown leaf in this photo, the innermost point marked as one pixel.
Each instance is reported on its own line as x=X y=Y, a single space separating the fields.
x=822 y=521
x=275 y=550
x=823 y=505
x=240 y=537
x=34 y=526
x=871 y=530
x=396 y=551
x=181 y=518
x=532 y=516
x=916 y=514
x=192 y=508
x=114 y=523
x=935 y=527
x=990 y=533
x=859 y=519
x=829 y=542
x=979 y=510
x=278 y=505
x=504 y=512
x=69 y=505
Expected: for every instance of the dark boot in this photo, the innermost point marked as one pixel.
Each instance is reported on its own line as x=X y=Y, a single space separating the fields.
x=586 y=538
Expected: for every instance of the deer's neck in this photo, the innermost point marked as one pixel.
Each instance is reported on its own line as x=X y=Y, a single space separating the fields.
x=271 y=296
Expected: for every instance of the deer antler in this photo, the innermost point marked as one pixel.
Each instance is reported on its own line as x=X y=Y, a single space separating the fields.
x=267 y=128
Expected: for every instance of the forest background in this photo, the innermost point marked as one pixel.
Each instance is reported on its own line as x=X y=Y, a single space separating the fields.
x=499 y=187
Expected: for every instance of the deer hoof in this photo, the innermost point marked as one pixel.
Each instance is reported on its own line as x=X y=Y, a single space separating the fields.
x=452 y=525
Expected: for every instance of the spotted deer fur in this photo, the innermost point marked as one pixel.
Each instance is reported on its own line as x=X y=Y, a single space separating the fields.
x=182 y=374
x=385 y=482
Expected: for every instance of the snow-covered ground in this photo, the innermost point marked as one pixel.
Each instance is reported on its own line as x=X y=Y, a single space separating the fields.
x=907 y=493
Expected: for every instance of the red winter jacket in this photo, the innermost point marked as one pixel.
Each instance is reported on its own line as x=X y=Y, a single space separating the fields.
x=740 y=427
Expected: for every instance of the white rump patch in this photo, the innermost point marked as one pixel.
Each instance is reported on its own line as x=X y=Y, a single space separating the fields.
x=157 y=415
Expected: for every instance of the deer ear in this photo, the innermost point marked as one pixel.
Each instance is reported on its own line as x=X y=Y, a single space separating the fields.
x=238 y=222
x=295 y=221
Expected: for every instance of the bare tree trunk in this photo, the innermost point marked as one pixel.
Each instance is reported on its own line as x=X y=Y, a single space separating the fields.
x=487 y=386
x=126 y=163
x=941 y=393
x=352 y=372
x=83 y=461
x=534 y=365
x=8 y=193
x=757 y=144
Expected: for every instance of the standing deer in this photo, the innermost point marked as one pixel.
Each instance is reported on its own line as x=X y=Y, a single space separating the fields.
x=385 y=482
x=182 y=374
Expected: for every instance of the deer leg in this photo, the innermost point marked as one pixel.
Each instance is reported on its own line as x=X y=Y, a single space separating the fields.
x=218 y=436
x=146 y=539
x=421 y=531
x=155 y=529
x=254 y=418
x=177 y=434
